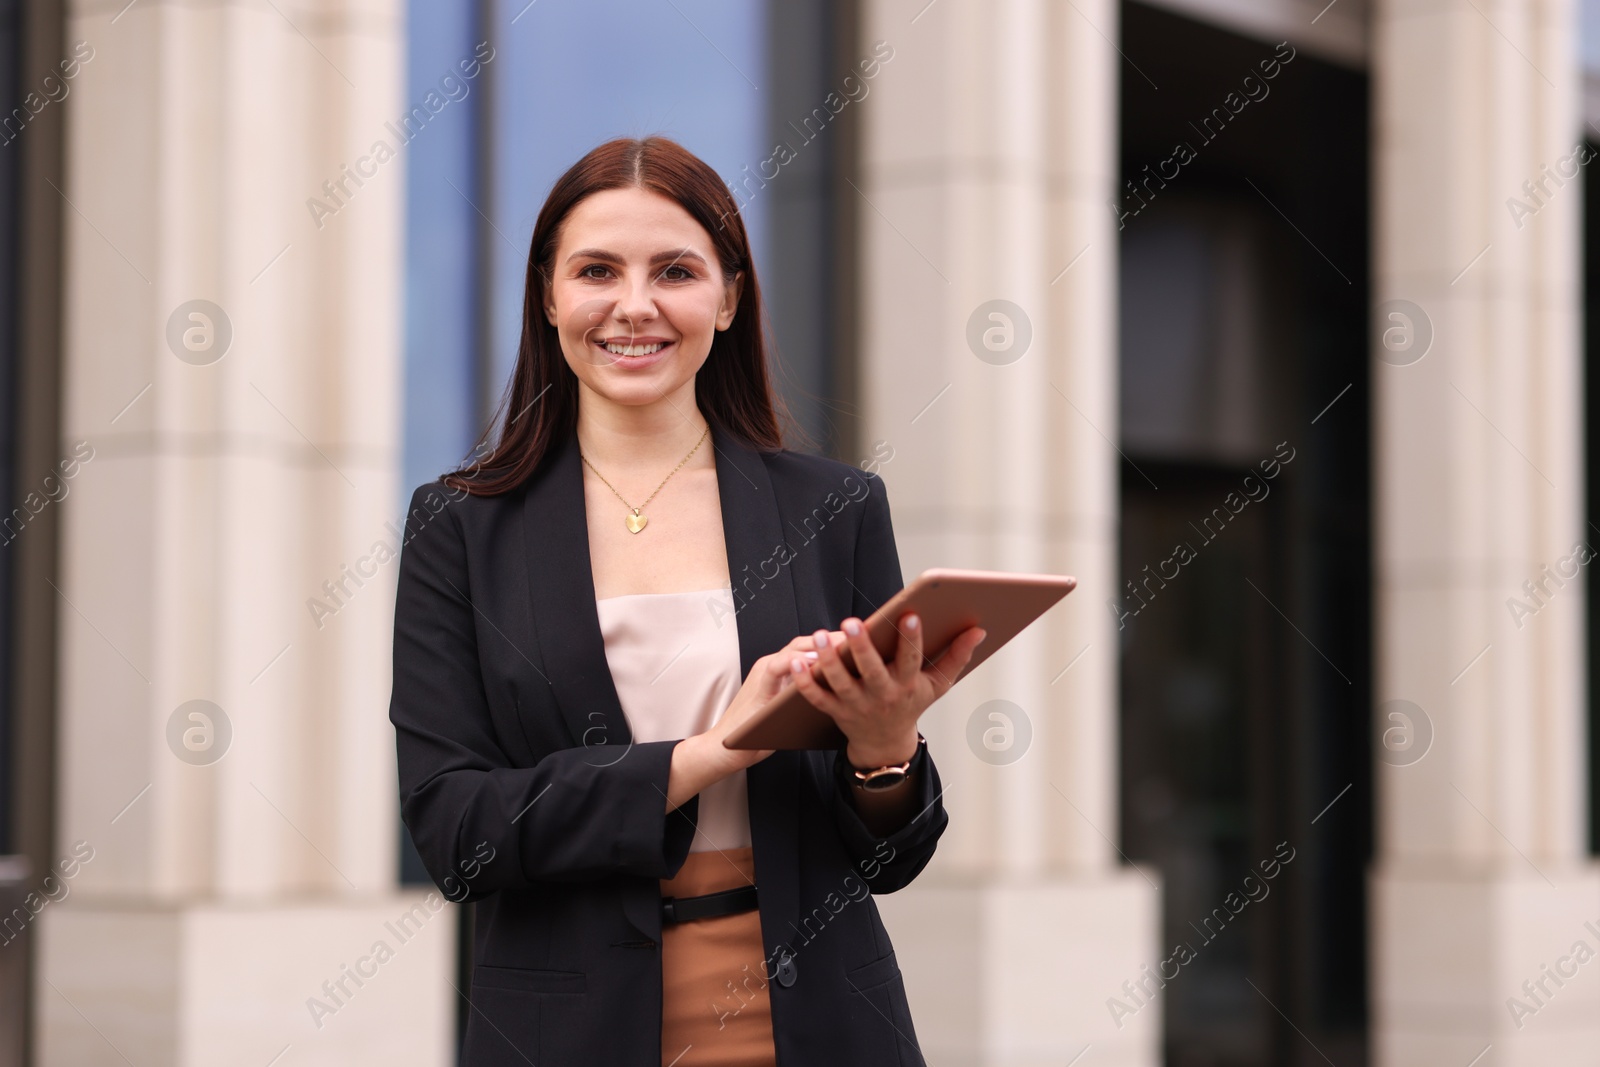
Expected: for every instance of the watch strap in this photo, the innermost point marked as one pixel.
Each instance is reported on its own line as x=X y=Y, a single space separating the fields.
x=860 y=776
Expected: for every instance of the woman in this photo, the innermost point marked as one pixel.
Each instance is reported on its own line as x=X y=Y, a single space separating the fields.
x=586 y=612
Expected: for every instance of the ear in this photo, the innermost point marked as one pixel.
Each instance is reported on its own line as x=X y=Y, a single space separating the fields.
x=730 y=301
x=550 y=314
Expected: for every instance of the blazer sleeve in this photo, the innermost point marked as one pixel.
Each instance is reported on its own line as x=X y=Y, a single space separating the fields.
x=571 y=816
x=900 y=857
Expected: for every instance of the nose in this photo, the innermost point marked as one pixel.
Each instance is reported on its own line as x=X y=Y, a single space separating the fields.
x=635 y=303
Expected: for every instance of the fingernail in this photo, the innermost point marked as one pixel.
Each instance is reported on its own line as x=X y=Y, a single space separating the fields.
x=797 y=664
x=913 y=622
x=811 y=655
x=852 y=627
x=821 y=638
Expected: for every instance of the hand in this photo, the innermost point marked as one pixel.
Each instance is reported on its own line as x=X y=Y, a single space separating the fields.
x=701 y=760
x=878 y=711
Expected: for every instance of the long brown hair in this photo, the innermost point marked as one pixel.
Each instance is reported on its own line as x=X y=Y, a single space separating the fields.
x=540 y=408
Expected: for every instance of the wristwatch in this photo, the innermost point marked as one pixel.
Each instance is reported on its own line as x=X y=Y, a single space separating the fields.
x=880 y=778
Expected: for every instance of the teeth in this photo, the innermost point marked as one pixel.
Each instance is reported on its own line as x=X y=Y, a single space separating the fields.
x=631 y=350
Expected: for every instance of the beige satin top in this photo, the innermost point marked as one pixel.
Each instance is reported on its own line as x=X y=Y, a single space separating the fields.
x=675 y=660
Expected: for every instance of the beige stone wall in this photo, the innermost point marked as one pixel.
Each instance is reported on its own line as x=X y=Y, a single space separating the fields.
x=234 y=872
x=1482 y=874
x=988 y=160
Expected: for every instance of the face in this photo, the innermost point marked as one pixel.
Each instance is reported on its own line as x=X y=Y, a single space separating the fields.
x=637 y=294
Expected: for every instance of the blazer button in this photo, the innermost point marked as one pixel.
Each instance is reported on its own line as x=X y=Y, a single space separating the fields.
x=786 y=970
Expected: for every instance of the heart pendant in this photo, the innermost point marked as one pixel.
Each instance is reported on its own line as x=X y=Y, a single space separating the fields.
x=636 y=522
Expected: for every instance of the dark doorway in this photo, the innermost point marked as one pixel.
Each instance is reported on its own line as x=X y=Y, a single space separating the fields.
x=1199 y=698
x=1244 y=541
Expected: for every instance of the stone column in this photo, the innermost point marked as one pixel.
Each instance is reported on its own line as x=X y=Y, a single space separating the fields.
x=989 y=162
x=1482 y=878
x=227 y=805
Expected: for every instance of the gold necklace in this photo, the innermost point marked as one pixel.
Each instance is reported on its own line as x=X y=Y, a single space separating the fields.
x=636 y=520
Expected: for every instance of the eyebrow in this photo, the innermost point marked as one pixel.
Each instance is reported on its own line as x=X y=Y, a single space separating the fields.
x=604 y=256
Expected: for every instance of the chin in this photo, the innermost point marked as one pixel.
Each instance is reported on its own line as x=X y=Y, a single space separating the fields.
x=638 y=392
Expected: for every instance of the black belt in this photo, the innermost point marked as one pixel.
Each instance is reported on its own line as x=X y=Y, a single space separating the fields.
x=709 y=906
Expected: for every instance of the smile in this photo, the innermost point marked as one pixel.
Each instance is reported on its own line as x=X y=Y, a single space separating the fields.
x=633 y=350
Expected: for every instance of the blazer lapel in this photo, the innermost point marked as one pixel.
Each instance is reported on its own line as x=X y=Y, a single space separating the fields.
x=561 y=586
x=768 y=618
x=752 y=529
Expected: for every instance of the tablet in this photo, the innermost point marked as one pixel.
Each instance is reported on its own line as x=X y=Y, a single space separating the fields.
x=949 y=601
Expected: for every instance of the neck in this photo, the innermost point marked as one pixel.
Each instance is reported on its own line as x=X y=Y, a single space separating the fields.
x=618 y=438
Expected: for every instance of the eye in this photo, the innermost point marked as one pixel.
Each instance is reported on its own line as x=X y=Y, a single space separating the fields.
x=677 y=273
x=586 y=271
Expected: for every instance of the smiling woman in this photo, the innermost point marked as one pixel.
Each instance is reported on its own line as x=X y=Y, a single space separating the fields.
x=653 y=201
x=563 y=680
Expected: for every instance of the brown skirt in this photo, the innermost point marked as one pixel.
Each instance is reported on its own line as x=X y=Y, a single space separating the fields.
x=715 y=1009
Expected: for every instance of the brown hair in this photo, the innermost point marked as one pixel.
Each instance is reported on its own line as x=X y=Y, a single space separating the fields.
x=540 y=407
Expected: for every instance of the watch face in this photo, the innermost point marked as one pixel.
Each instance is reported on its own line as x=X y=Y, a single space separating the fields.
x=884 y=780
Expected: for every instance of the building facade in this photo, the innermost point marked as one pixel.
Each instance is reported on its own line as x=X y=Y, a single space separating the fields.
x=1267 y=321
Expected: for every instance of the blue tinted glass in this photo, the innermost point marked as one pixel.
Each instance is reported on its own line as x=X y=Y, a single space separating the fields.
x=563 y=78
x=572 y=75
x=439 y=161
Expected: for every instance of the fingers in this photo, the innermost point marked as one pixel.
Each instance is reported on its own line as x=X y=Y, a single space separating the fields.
x=828 y=663
x=875 y=677
x=822 y=654
x=804 y=643
x=830 y=666
x=819 y=653
x=803 y=646
x=780 y=661
x=908 y=654
x=812 y=690
x=872 y=677
x=768 y=677
x=772 y=673
x=948 y=667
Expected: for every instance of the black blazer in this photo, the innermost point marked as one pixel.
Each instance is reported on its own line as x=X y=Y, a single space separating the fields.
x=524 y=791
